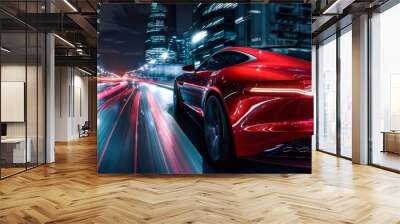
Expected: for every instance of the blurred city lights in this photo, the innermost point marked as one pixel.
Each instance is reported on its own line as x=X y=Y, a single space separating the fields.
x=239 y=20
x=199 y=36
x=254 y=11
x=164 y=55
x=101 y=72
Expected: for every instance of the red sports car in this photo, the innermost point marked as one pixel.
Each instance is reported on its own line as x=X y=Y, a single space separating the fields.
x=248 y=100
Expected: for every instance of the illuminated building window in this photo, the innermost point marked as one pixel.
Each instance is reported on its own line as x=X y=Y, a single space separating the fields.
x=214 y=22
x=218 y=6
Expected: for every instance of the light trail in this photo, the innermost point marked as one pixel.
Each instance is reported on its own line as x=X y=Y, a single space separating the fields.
x=103 y=151
x=139 y=134
x=109 y=92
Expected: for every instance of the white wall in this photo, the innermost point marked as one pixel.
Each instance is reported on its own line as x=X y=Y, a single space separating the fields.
x=61 y=103
x=71 y=94
x=13 y=72
x=13 y=101
x=16 y=73
x=80 y=104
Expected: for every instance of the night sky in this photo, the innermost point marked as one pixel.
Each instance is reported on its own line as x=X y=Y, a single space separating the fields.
x=122 y=33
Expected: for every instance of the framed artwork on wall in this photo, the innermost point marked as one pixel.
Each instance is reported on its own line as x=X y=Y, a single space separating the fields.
x=204 y=88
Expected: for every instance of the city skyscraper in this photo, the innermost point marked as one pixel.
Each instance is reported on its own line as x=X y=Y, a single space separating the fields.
x=156 y=42
x=179 y=51
x=187 y=48
x=173 y=50
x=283 y=28
x=279 y=27
x=215 y=23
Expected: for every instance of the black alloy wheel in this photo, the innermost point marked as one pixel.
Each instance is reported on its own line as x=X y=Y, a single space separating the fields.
x=217 y=133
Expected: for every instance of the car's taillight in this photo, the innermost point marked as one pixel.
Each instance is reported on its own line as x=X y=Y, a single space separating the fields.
x=288 y=91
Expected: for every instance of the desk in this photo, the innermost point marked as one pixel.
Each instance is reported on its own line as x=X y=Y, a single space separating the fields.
x=391 y=141
x=15 y=148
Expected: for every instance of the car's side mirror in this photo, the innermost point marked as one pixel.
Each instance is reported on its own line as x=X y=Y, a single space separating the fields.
x=188 y=68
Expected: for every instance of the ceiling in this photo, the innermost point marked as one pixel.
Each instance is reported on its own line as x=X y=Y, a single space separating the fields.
x=74 y=21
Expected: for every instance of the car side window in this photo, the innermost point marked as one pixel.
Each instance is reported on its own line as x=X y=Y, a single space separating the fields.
x=222 y=60
x=202 y=66
x=215 y=62
x=235 y=58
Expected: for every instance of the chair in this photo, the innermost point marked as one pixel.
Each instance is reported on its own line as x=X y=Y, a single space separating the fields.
x=84 y=130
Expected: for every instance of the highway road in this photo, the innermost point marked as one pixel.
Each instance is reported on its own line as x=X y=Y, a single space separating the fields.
x=138 y=133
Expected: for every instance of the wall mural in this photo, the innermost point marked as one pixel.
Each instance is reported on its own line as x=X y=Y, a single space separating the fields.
x=204 y=88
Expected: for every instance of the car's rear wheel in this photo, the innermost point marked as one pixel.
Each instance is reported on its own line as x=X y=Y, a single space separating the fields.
x=217 y=133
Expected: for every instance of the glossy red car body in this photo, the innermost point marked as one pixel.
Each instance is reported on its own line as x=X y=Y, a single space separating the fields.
x=267 y=99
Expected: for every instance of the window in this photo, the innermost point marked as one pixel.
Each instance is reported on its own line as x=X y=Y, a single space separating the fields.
x=327 y=95
x=214 y=62
x=235 y=58
x=22 y=65
x=223 y=60
x=346 y=93
x=385 y=89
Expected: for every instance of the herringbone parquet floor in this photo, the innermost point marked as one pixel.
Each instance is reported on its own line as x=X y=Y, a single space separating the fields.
x=70 y=191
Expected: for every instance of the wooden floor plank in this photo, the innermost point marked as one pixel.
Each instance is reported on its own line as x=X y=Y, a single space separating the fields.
x=70 y=191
